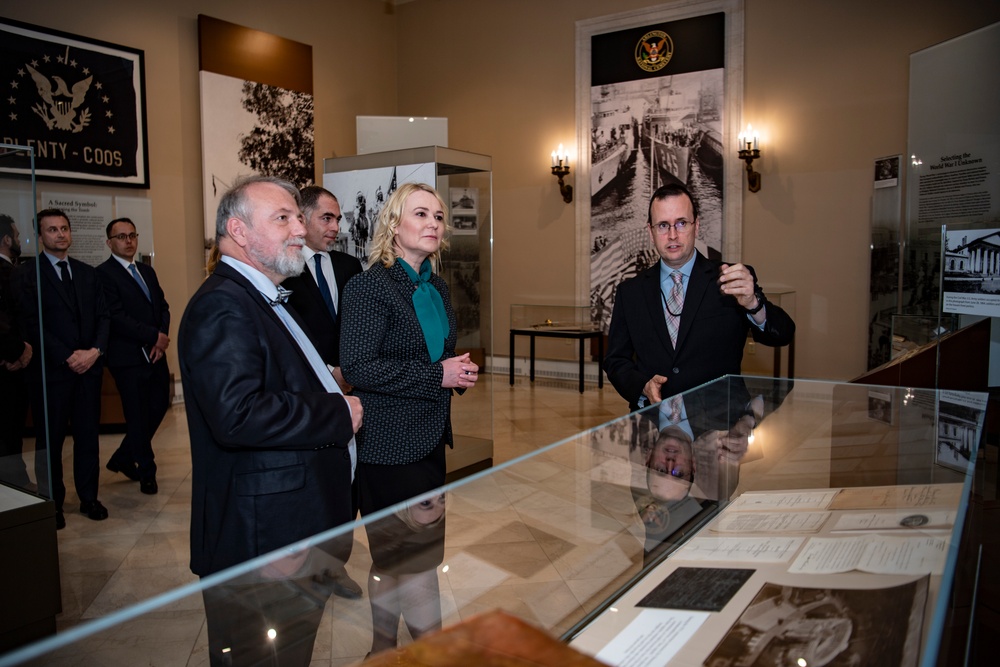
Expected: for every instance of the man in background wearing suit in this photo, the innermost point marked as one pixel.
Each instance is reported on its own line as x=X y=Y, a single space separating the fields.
x=140 y=320
x=685 y=320
x=15 y=354
x=272 y=436
x=316 y=298
x=316 y=293
x=76 y=325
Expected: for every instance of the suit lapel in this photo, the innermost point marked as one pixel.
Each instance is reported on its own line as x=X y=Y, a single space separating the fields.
x=702 y=277
x=56 y=282
x=226 y=271
x=124 y=275
x=653 y=302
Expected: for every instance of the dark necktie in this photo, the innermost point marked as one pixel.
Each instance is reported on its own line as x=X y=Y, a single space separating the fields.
x=67 y=282
x=324 y=287
x=142 y=285
x=65 y=277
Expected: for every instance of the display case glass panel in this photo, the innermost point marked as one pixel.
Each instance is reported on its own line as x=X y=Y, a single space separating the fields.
x=17 y=203
x=744 y=517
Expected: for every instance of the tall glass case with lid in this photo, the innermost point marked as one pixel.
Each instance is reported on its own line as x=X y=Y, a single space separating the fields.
x=747 y=520
x=362 y=184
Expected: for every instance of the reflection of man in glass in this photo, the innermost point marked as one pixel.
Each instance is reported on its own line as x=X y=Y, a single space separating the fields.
x=670 y=466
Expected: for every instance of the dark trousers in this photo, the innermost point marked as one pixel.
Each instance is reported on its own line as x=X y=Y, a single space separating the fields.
x=74 y=408
x=13 y=410
x=239 y=617
x=145 y=394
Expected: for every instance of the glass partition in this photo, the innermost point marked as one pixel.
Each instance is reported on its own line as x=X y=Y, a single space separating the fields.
x=747 y=516
x=18 y=242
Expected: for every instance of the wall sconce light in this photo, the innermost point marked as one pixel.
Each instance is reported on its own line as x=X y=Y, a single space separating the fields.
x=750 y=151
x=560 y=169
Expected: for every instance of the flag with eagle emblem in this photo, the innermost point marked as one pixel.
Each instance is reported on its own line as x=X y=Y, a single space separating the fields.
x=77 y=103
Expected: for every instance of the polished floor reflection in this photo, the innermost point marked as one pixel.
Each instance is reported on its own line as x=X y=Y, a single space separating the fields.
x=142 y=549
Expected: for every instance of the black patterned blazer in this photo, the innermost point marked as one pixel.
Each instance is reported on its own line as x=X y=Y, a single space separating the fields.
x=383 y=354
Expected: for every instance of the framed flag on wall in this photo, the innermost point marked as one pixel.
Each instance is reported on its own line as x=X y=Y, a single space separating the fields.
x=78 y=102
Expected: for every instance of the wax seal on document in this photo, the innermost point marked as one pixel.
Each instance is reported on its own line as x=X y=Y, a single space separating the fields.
x=914 y=520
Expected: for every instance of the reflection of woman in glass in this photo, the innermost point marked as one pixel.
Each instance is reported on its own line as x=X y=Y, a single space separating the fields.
x=398 y=350
x=406 y=547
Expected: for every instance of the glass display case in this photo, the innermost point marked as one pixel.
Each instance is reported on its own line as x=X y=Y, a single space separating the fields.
x=556 y=318
x=748 y=518
x=362 y=184
x=29 y=563
x=910 y=332
x=547 y=321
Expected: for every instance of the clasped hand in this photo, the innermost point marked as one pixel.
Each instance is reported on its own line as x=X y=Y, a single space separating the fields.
x=459 y=372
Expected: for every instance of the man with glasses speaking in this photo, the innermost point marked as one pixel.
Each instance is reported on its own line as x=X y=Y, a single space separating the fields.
x=684 y=321
x=140 y=321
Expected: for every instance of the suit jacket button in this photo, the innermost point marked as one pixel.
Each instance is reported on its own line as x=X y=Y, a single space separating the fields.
x=675 y=370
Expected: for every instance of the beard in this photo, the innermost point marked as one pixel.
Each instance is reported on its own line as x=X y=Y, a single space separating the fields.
x=15 y=251
x=282 y=264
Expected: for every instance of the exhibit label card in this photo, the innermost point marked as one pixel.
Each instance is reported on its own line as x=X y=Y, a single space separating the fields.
x=652 y=639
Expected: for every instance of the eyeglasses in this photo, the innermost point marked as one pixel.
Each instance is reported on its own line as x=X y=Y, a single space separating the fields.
x=661 y=228
x=125 y=237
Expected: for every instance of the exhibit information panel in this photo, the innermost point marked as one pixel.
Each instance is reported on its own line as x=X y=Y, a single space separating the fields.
x=750 y=521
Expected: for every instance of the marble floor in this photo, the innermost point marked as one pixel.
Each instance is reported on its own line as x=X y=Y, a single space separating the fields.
x=141 y=550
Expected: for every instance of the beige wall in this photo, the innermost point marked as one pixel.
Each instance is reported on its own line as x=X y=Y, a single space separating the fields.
x=354 y=72
x=828 y=81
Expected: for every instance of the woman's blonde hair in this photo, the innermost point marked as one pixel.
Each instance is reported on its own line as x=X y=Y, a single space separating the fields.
x=383 y=247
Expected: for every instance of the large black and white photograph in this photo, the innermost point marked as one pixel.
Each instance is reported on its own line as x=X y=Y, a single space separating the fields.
x=650 y=126
x=971 y=283
x=362 y=194
x=252 y=128
x=789 y=625
x=79 y=103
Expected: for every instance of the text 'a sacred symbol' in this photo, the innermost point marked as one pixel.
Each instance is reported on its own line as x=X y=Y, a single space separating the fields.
x=61 y=101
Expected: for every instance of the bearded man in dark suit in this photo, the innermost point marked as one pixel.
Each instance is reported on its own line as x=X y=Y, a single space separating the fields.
x=272 y=436
x=140 y=321
x=685 y=320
